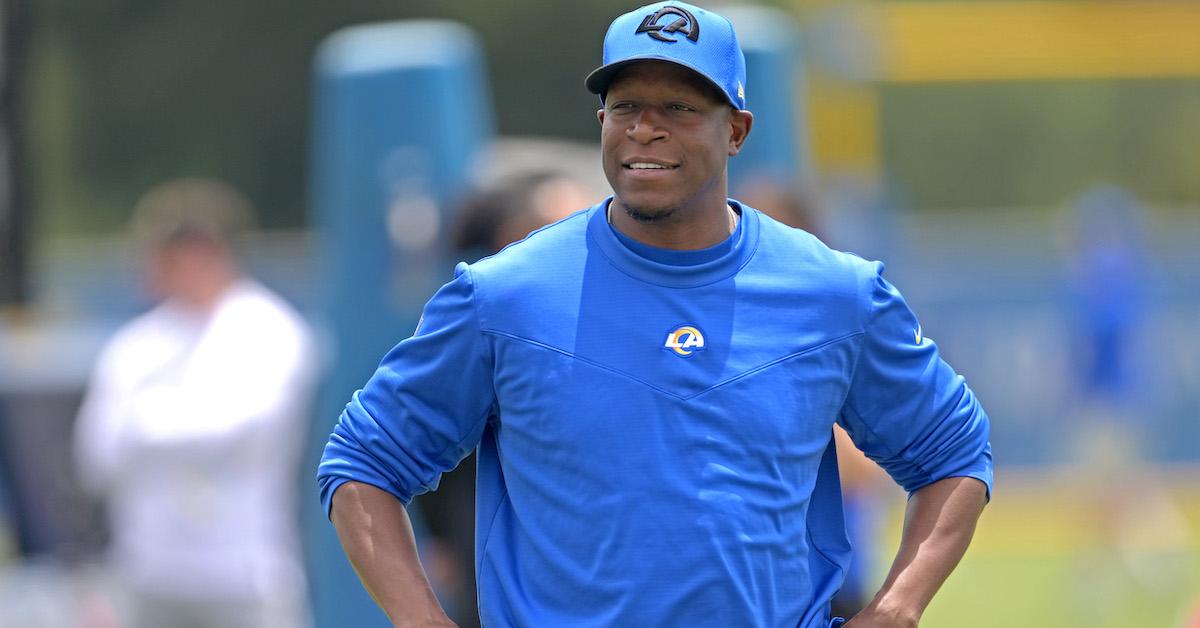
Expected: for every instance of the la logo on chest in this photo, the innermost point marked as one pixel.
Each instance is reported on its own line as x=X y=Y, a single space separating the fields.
x=684 y=340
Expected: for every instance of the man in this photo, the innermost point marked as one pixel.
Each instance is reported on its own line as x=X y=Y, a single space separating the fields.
x=191 y=427
x=652 y=385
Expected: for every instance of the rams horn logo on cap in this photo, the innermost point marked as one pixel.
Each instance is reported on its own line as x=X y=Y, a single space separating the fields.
x=686 y=24
x=684 y=340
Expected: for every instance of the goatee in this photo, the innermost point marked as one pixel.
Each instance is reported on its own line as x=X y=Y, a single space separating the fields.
x=644 y=216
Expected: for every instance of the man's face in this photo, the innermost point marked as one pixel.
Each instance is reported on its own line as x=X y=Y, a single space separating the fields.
x=187 y=271
x=665 y=139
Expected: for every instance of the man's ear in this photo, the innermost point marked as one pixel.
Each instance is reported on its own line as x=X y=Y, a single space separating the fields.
x=600 y=115
x=740 y=122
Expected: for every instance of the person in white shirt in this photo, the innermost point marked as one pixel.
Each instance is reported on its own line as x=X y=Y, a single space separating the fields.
x=193 y=423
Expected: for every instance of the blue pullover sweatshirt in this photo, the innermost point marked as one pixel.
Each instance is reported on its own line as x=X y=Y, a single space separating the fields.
x=654 y=426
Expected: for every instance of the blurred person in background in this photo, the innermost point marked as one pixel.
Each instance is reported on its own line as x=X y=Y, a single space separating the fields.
x=192 y=423
x=862 y=480
x=509 y=209
x=1107 y=283
x=1135 y=520
x=490 y=219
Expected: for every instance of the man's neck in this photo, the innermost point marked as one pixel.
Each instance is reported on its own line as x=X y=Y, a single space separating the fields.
x=683 y=231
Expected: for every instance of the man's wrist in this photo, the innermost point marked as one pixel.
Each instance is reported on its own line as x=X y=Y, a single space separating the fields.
x=895 y=613
x=438 y=621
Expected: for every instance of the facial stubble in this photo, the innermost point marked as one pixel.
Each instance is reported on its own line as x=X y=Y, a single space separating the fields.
x=646 y=217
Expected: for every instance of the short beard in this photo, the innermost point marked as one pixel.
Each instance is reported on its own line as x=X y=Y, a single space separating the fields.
x=646 y=217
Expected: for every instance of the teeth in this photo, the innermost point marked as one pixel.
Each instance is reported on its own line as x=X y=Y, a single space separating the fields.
x=641 y=165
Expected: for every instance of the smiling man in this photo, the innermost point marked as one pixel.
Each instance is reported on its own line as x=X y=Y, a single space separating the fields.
x=652 y=384
x=666 y=136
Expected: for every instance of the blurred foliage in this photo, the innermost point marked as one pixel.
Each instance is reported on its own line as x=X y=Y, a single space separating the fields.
x=122 y=94
x=1020 y=144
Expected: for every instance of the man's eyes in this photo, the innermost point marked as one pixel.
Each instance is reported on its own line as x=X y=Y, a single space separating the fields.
x=625 y=106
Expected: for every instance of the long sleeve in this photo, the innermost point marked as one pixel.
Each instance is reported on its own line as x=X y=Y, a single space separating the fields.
x=907 y=409
x=425 y=407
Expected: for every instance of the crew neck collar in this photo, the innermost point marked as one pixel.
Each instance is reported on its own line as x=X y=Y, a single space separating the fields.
x=675 y=268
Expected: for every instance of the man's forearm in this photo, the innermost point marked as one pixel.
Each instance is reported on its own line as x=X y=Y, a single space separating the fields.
x=377 y=536
x=938 y=525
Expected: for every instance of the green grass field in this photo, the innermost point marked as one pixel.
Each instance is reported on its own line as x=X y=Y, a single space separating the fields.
x=1047 y=555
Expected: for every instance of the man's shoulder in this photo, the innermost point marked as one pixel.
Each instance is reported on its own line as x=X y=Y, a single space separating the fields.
x=138 y=340
x=253 y=307
x=555 y=245
x=154 y=322
x=543 y=271
x=794 y=238
x=252 y=296
x=804 y=253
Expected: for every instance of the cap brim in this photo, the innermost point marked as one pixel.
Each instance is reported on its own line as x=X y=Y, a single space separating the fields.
x=597 y=82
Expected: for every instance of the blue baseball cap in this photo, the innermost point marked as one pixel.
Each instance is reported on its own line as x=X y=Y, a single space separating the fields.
x=679 y=33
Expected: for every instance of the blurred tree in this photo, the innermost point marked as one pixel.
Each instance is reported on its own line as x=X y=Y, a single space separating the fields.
x=131 y=92
x=13 y=206
x=121 y=94
x=1035 y=143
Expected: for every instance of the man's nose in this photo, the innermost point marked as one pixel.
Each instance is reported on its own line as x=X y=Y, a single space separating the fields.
x=646 y=127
